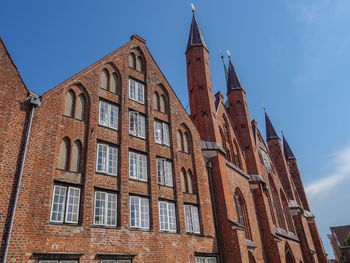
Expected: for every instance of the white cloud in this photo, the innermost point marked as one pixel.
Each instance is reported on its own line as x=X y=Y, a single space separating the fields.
x=340 y=175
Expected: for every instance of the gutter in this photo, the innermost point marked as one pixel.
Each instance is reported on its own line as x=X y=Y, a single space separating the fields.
x=33 y=101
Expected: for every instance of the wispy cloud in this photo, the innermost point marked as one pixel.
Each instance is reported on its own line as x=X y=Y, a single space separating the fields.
x=340 y=175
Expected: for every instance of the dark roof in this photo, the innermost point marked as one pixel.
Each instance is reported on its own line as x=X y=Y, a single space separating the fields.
x=340 y=233
x=233 y=82
x=270 y=130
x=287 y=151
x=195 y=39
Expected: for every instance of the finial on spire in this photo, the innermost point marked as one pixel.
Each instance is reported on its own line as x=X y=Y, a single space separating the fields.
x=282 y=133
x=228 y=53
x=193 y=9
x=264 y=108
x=221 y=55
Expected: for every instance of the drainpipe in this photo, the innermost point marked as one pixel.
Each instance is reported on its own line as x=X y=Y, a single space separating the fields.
x=33 y=101
x=209 y=169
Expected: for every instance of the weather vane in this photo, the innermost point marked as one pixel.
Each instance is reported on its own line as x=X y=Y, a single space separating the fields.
x=228 y=53
x=193 y=9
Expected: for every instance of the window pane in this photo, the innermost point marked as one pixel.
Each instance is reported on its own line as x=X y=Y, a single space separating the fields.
x=168 y=173
x=158 y=132
x=59 y=198
x=134 y=211
x=113 y=118
x=133 y=122
x=195 y=219
x=111 y=209
x=144 y=213
x=73 y=205
x=166 y=139
x=163 y=215
x=160 y=170
x=140 y=92
x=142 y=167
x=99 y=218
x=188 y=219
x=132 y=165
x=141 y=124
x=132 y=89
x=101 y=157
x=172 y=217
x=103 y=116
x=112 y=160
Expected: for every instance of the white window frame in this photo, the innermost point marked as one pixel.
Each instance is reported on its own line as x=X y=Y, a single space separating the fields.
x=138 y=166
x=192 y=219
x=138 y=128
x=66 y=203
x=105 y=159
x=115 y=261
x=165 y=172
x=206 y=259
x=106 y=209
x=142 y=209
x=161 y=133
x=59 y=261
x=167 y=220
x=266 y=159
x=107 y=119
x=136 y=91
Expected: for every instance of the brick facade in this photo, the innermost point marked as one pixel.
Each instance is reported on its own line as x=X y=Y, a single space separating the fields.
x=244 y=192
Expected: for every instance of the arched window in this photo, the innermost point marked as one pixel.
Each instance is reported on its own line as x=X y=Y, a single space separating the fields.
x=139 y=64
x=162 y=104
x=69 y=104
x=277 y=204
x=289 y=255
x=287 y=212
x=156 y=101
x=114 y=83
x=186 y=150
x=63 y=158
x=76 y=155
x=251 y=258
x=241 y=211
x=180 y=145
x=105 y=79
x=189 y=182
x=183 y=181
x=79 y=110
x=132 y=61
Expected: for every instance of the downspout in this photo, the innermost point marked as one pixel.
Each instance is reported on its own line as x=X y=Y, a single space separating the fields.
x=33 y=102
x=209 y=169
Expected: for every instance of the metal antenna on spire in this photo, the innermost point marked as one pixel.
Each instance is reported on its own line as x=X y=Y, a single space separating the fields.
x=193 y=9
x=228 y=53
x=282 y=133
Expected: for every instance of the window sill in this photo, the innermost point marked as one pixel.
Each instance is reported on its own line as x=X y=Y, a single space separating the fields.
x=68 y=171
x=195 y=234
x=137 y=137
x=69 y=117
x=65 y=224
x=185 y=152
x=105 y=227
x=166 y=185
x=169 y=232
x=164 y=145
x=137 y=180
x=140 y=229
x=141 y=103
x=115 y=93
x=107 y=174
x=107 y=127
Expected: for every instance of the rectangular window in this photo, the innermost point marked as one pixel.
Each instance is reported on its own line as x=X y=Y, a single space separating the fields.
x=138 y=166
x=167 y=216
x=105 y=211
x=115 y=261
x=139 y=212
x=65 y=204
x=136 y=91
x=165 y=172
x=161 y=133
x=107 y=159
x=58 y=261
x=205 y=259
x=192 y=219
x=137 y=124
x=266 y=159
x=108 y=115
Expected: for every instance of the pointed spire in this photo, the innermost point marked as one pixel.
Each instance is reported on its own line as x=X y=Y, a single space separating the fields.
x=233 y=82
x=270 y=130
x=195 y=38
x=287 y=150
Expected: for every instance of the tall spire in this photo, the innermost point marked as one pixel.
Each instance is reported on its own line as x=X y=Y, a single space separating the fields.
x=233 y=82
x=287 y=150
x=270 y=130
x=195 y=38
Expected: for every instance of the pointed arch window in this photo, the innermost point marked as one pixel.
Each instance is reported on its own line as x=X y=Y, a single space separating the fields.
x=189 y=182
x=69 y=104
x=63 y=159
x=139 y=64
x=162 y=103
x=277 y=204
x=287 y=213
x=105 y=79
x=114 y=83
x=132 y=61
x=79 y=112
x=241 y=211
x=156 y=101
x=183 y=181
x=180 y=146
x=76 y=155
x=186 y=143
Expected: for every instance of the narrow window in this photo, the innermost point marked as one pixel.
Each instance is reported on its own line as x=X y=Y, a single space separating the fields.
x=79 y=111
x=136 y=91
x=192 y=219
x=242 y=212
x=105 y=212
x=165 y=172
x=107 y=159
x=161 y=133
x=205 y=259
x=137 y=124
x=108 y=115
x=266 y=159
x=69 y=105
x=167 y=216
x=162 y=104
x=132 y=61
x=186 y=150
x=63 y=162
x=65 y=204
x=115 y=261
x=180 y=146
x=138 y=166
x=114 y=83
x=58 y=261
x=105 y=79
x=183 y=181
x=189 y=182
x=139 y=64
x=156 y=101
x=139 y=212
x=76 y=153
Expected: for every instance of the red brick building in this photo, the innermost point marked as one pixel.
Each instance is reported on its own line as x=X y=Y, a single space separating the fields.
x=337 y=238
x=109 y=167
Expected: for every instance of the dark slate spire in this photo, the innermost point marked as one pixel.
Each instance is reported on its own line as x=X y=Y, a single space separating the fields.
x=233 y=82
x=195 y=38
x=270 y=130
x=287 y=151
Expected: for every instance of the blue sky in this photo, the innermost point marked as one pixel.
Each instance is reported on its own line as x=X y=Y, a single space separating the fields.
x=293 y=56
